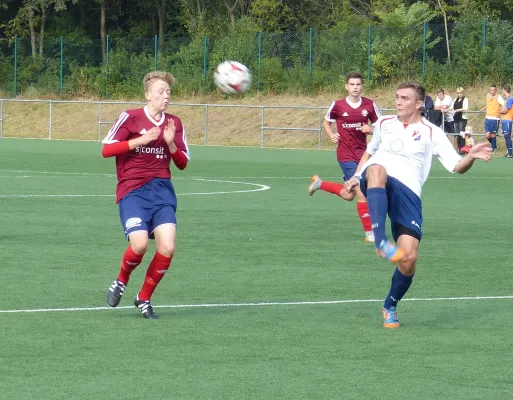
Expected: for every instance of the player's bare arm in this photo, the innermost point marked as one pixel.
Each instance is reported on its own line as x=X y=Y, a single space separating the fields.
x=334 y=136
x=481 y=151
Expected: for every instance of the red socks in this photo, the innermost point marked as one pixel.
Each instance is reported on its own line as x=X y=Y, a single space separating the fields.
x=332 y=187
x=363 y=212
x=156 y=271
x=129 y=262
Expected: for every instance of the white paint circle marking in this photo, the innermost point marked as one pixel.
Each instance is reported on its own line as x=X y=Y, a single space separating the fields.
x=258 y=188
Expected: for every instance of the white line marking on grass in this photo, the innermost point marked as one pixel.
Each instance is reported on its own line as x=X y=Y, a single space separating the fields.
x=234 y=177
x=55 y=172
x=261 y=304
x=259 y=188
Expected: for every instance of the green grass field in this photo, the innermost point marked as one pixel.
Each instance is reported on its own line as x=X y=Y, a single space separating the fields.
x=293 y=253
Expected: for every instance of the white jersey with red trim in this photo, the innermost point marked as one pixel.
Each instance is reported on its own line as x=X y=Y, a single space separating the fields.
x=406 y=150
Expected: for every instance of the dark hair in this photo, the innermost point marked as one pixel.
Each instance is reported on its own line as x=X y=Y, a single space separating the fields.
x=440 y=91
x=507 y=88
x=417 y=88
x=354 y=75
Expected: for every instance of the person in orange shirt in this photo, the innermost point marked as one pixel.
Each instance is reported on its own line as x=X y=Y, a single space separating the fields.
x=507 y=119
x=494 y=103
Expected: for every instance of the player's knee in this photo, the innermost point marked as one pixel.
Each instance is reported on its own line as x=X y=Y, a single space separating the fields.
x=348 y=196
x=166 y=249
x=139 y=246
x=487 y=135
x=408 y=263
x=376 y=175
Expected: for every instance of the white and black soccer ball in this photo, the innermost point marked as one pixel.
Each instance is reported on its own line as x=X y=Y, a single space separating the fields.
x=232 y=77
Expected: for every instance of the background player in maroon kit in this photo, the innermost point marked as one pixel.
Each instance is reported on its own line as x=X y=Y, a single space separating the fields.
x=352 y=116
x=144 y=141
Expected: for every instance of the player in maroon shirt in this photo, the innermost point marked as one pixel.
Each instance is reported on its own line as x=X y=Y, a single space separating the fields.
x=144 y=141
x=352 y=116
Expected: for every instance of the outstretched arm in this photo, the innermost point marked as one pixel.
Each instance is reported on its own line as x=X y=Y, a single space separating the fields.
x=480 y=151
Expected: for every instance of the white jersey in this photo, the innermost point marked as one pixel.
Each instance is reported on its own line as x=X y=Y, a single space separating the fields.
x=406 y=150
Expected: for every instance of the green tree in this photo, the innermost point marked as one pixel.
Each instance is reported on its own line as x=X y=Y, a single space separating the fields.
x=396 y=43
x=272 y=15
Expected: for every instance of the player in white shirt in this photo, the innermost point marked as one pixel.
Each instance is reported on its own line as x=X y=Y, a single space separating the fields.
x=391 y=174
x=443 y=103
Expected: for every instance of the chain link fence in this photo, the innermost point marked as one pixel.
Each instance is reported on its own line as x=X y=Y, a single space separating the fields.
x=280 y=62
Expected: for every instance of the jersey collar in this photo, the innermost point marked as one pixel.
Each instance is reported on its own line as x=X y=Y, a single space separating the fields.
x=158 y=123
x=354 y=105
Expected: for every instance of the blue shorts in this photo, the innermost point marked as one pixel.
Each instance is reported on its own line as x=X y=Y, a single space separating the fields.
x=491 y=125
x=149 y=206
x=404 y=206
x=348 y=169
x=506 y=127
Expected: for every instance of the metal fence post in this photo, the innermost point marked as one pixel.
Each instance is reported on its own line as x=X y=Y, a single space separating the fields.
x=259 y=59
x=310 y=56
x=320 y=130
x=369 y=45
x=205 y=56
x=50 y=122
x=206 y=125
x=61 y=73
x=107 y=66
x=262 y=128
x=156 y=46
x=15 y=65
x=424 y=49
x=100 y=122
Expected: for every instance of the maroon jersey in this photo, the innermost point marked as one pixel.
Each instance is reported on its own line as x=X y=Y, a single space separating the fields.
x=139 y=166
x=349 y=118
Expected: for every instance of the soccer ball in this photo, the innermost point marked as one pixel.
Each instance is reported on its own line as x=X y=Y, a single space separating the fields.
x=232 y=77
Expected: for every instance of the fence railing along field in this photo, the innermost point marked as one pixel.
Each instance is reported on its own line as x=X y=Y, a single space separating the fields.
x=205 y=124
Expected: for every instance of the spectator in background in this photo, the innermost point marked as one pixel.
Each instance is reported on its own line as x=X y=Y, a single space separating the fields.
x=459 y=108
x=493 y=107
x=444 y=103
x=429 y=112
x=428 y=106
x=507 y=119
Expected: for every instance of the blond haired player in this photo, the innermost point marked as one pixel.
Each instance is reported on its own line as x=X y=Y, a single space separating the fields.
x=145 y=141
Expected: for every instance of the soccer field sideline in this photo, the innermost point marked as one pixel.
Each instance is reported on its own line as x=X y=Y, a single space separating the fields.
x=259 y=304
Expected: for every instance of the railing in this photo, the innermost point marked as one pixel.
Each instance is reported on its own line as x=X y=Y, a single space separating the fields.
x=264 y=124
x=205 y=107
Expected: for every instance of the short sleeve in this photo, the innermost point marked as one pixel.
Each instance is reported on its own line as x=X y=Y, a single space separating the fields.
x=444 y=151
x=120 y=130
x=180 y=138
x=373 y=145
x=375 y=114
x=331 y=114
